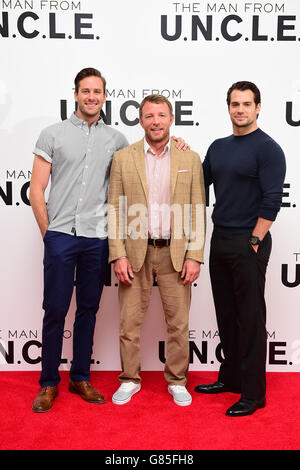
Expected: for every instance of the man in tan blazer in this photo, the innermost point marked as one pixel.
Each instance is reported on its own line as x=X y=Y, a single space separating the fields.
x=156 y=225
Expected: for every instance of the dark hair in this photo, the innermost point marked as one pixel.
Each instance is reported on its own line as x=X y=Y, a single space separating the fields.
x=88 y=72
x=156 y=99
x=242 y=86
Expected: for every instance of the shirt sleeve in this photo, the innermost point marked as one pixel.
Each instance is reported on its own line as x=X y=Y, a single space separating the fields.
x=207 y=175
x=272 y=169
x=123 y=142
x=44 y=146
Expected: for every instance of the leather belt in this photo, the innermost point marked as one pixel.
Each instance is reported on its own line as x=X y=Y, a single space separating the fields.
x=159 y=242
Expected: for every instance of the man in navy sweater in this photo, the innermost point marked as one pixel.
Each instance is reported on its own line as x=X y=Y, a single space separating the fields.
x=247 y=170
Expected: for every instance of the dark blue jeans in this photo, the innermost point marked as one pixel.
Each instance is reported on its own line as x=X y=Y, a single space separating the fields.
x=68 y=258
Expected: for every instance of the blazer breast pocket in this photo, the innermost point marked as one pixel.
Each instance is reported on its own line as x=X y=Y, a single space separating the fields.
x=183 y=177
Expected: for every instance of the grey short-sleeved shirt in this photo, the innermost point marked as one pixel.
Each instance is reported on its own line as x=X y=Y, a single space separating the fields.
x=81 y=161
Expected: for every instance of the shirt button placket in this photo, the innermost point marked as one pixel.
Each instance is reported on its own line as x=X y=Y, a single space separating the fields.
x=84 y=179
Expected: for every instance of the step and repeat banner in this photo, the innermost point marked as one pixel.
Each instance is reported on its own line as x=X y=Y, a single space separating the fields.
x=191 y=52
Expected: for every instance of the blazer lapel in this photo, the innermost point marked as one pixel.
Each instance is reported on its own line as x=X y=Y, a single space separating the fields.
x=139 y=159
x=175 y=163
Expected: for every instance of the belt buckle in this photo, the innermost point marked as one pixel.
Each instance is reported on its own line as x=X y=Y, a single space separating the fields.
x=154 y=242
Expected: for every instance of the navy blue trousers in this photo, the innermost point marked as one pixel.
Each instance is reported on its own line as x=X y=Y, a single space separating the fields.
x=68 y=258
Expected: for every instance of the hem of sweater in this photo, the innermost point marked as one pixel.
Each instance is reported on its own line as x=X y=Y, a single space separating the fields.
x=226 y=229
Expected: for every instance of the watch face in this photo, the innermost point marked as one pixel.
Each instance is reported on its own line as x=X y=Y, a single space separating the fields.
x=254 y=240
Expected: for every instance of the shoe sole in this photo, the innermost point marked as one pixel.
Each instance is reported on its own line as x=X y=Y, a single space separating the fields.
x=180 y=403
x=41 y=411
x=123 y=402
x=211 y=392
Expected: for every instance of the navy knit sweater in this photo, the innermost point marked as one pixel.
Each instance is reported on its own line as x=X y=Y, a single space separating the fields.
x=247 y=173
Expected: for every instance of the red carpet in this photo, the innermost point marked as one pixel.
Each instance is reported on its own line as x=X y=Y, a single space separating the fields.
x=150 y=421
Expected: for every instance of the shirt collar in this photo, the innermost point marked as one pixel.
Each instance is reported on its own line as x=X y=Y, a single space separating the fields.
x=81 y=123
x=148 y=148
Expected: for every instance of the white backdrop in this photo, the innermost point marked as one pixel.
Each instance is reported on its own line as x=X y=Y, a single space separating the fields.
x=191 y=53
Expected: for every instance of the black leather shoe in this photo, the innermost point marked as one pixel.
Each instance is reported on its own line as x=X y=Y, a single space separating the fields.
x=245 y=407
x=216 y=387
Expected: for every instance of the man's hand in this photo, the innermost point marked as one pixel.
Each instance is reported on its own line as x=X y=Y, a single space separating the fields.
x=190 y=271
x=255 y=247
x=180 y=143
x=260 y=230
x=123 y=271
x=44 y=230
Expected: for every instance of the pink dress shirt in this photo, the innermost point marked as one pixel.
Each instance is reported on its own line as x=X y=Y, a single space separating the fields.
x=158 y=182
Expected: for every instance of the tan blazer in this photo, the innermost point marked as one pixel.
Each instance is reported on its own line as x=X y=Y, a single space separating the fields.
x=128 y=206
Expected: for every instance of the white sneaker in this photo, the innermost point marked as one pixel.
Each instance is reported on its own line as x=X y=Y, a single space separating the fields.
x=180 y=395
x=124 y=393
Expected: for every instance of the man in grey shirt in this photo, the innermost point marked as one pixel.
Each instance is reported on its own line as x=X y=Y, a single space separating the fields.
x=77 y=153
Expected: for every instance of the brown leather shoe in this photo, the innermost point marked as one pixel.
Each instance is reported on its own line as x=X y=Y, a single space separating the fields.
x=45 y=399
x=86 y=391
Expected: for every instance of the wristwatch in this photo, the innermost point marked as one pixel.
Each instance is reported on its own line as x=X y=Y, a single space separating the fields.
x=254 y=240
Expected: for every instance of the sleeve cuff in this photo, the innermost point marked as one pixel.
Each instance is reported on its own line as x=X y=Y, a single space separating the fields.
x=268 y=214
x=43 y=154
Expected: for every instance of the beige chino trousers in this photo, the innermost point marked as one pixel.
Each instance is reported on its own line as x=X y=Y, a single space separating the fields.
x=134 y=301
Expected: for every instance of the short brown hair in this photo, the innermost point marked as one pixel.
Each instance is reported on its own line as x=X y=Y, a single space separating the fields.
x=155 y=99
x=88 y=72
x=243 y=86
